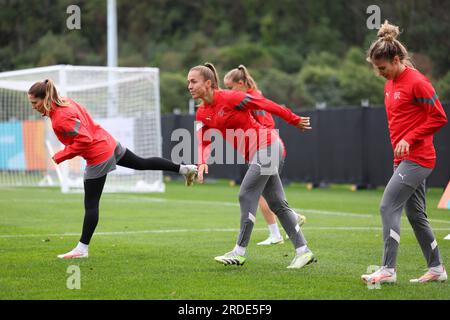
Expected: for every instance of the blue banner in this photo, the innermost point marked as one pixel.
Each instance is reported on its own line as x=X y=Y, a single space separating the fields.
x=12 y=155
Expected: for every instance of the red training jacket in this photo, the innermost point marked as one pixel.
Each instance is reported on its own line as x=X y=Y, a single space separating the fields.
x=233 y=110
x=80 y=135
x=264 y=117
x=414 y=114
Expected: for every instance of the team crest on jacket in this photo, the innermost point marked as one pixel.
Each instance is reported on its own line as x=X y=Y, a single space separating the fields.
x=221 y=113
x=397 y=95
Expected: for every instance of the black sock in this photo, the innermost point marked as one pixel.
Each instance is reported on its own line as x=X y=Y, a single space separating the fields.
x=130 y=160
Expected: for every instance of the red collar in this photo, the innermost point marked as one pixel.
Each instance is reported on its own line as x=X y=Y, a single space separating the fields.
x=402 y=74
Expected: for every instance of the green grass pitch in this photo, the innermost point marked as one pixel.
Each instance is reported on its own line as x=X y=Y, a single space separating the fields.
x=161 y=246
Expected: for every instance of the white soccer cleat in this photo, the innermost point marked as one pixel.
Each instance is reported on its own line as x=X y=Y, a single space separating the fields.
x=270 y=241
x=191 y=174
x=380 y=276
x=301 y=220
x=431 y=276
x=230 y=258
x=301 y=260
x=73 y=254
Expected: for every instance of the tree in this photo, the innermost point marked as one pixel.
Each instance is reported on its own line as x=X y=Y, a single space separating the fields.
x=443 y=88
x=358 y=80
x=322 y=84
x=250 y=54
x=174 y=93
x=276 y=85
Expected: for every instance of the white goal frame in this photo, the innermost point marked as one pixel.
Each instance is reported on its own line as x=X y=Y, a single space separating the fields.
x=125 y=101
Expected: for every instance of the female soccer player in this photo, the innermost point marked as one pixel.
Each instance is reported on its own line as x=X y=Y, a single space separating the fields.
x=414 y=115
x=81 y=136
x=240 y=79
x=228 y=112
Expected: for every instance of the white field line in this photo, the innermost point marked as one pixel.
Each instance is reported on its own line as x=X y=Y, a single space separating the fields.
x=202 y=202
x=121 y=233
x=134 y=199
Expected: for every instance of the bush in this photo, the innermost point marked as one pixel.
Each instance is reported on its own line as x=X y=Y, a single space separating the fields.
x=48 y=56
x=358 y=80
x=286 y=59
x=276 y=85
x=322 y=59
x=174 y=93
x=321 y=84
x=443 y=88
x=250 y=54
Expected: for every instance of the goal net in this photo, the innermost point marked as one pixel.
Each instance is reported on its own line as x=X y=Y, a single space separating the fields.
x=124 y=101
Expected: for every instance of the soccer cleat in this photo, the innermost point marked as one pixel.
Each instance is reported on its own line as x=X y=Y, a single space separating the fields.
x=301 y=220
x=271 y=240
x=73 y=254
x=380 y=276
x=301 y=260
x=231 y=258
x=431 y=276
x=191 y=174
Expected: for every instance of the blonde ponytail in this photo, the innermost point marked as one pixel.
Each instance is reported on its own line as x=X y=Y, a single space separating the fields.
x=241 y=74
x=210 y=66
x=46 y=90
x=386 y=47
x=208 y=72
x=388 y=32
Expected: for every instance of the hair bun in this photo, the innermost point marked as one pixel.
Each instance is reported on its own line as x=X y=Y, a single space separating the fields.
x=388 y=32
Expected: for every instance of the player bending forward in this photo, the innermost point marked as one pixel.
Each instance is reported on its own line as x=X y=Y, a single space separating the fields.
x=81 y=136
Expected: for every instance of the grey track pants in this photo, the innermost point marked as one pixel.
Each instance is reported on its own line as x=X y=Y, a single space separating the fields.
x=406 y=189
x=262 y=177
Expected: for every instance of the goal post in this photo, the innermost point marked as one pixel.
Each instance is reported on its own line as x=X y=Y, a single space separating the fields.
x=124 y=101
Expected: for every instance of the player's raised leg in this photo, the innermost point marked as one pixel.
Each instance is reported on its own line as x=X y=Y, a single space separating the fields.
x=131 y=160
